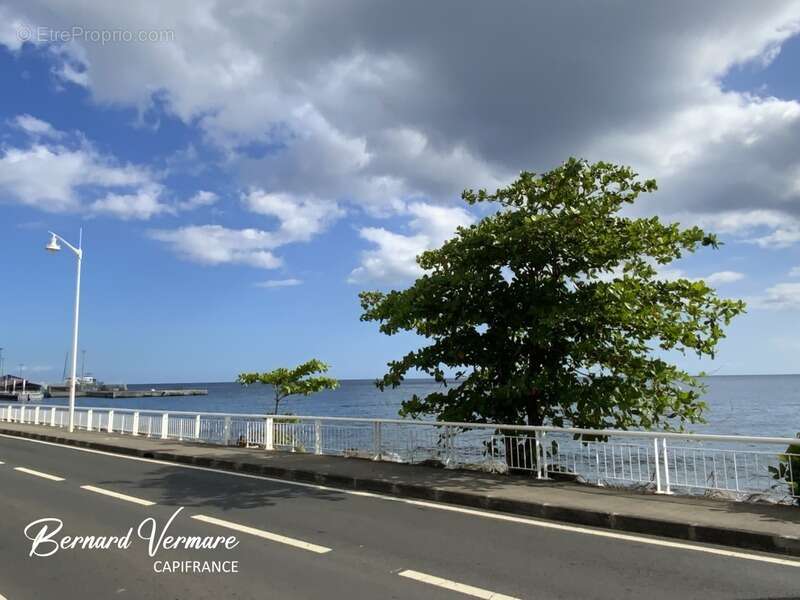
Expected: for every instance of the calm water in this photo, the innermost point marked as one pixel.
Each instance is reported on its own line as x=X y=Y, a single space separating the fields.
x=745 y=405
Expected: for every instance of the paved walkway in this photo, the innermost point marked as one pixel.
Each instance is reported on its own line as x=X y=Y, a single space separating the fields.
x=746 y=525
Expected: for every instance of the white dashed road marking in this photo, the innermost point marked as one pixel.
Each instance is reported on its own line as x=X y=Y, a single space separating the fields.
x=38 y=474
x=117 y=495
x=273 y=537
x=469 y=590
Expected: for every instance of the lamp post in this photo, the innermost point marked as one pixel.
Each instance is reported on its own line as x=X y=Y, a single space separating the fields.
x=54 y=246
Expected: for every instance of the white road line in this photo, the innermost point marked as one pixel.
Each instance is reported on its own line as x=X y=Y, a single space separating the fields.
x=447 y=584
x=467 y=511
x=38 y=474
x=273 y=537
x=117 y=495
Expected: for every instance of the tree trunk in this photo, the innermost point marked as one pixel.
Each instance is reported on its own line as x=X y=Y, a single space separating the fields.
x=520 y=449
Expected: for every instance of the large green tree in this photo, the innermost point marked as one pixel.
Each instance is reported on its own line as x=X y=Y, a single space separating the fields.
x=302 y=380
x=551 y=310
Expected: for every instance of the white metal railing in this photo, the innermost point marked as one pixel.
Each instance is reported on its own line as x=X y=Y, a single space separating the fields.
x=664 y=461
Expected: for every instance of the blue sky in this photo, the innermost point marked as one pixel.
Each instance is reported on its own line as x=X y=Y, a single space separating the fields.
x=237 y=189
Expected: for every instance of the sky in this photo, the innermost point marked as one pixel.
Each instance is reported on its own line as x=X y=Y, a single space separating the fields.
x=242 y=170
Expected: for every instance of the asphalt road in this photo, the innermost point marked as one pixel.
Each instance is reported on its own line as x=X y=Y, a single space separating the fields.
x=297 y=541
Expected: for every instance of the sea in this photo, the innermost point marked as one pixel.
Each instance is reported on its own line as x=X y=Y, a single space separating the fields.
x=756 y=405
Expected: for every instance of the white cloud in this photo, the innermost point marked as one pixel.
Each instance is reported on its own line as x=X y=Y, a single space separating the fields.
x=766 y=228
x=201 y=198
x=140 y=205
x=300 y=218
x=278 y=283
x=55 y=176
x=716 y=278
x=49 y=177
x=783 y=296
x=783 y=236
x=36 y=127
x=722 y=277
x=794 y=272
x=216 y=245
x=37 y=368
x=394 y=258
x=12 y=29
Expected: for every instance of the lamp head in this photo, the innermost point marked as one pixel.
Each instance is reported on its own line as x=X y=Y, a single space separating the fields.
x=53 y=246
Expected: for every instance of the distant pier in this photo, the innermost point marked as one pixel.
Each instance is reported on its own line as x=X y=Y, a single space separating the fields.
x=121 y=393
x=154 y=393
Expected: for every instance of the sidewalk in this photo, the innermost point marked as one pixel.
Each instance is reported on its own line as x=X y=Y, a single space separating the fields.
x=754 y=526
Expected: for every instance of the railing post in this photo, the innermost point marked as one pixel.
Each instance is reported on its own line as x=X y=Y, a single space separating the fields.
x=317 y=437
x=89 y=420
x=110 y=426
x=658 y=467
x=667 y=490
x=36 y=415
x=269 y=441
x=164 y=426
x=197 y=427
x=226 y=435
x=135 y=426
x=376 y=440
x=597 y=464
x=53 y=416
x=541 y=456
x=22 y=414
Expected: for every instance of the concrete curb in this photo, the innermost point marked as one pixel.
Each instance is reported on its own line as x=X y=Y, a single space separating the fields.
x=746 y=539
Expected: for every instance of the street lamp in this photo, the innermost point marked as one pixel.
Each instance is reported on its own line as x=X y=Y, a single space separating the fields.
x=54 y=246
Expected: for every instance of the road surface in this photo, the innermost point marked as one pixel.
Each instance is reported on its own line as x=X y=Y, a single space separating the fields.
x=297 y=541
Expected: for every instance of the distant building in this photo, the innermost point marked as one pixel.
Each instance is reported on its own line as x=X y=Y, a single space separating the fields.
x=12 y=382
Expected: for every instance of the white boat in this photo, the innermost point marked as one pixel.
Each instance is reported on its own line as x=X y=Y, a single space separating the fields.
x=21 y=396
x=17 y=389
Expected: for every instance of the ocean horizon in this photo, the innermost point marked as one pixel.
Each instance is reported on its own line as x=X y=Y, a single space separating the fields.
x=762 y=405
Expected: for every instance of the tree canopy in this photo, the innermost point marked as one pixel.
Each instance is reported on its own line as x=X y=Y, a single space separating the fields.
x=301 y=380
x=552 y=309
